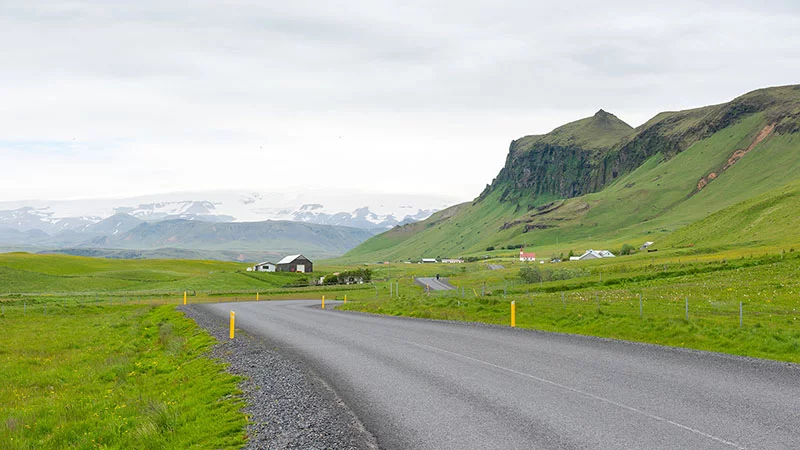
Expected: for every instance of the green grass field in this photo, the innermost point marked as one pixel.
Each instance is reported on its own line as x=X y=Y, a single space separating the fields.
x=113 y=377
x=61 y=274
x=602 y=299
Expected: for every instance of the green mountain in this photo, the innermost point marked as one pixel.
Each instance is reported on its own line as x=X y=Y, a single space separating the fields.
x=234 y=238
x=597 y=182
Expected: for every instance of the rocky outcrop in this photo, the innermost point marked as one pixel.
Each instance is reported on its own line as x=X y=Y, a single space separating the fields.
x=585 y=156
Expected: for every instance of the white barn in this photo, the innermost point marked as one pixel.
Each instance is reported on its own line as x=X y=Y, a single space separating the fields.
x=264 y=267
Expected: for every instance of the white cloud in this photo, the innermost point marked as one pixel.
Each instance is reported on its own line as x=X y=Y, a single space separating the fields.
x=391 y=96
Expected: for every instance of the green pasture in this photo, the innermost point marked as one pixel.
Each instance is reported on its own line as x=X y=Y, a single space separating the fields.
x=641 y=298
x=123 y=377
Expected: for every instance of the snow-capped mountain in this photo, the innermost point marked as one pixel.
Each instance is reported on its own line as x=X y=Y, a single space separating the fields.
x=343 y=208
x=44 y=219
x=359 y=218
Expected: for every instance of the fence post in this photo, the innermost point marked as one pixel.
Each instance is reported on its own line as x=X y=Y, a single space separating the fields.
x=740 y=312
x=563 y=302
x=640 y=305
x=390 y=289
x=397 y=289
x=597 y=298
x=687 y=309
x=24 y=308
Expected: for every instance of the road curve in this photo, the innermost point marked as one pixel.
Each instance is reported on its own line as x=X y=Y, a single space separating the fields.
x=434 y=284
x=419 y=384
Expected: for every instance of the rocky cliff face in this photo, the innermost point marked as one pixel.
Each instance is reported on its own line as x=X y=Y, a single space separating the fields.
x=561 y=163
x=585 y=156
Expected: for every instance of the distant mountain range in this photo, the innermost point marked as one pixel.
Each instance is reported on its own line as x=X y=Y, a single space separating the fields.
x=220 y=225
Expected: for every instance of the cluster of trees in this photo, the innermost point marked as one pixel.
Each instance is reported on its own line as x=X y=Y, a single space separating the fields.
x=506 y=247
x=349 y=277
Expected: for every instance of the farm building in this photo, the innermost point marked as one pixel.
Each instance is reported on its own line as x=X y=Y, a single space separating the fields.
x=452 y=260
x=595 y=254
x=428 y=260
x=295 y=263
x=526 y=256
x=264 y=267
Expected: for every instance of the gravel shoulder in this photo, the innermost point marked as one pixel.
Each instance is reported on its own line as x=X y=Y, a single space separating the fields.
x=288 y=405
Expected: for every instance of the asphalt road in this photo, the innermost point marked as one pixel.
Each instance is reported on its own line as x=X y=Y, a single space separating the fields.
x=418 y=384
x=435 y=285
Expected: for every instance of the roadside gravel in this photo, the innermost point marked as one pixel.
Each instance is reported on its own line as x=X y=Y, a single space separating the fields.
x=289 y=407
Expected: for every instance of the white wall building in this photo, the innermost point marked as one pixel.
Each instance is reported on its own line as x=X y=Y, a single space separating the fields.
x=264 y=267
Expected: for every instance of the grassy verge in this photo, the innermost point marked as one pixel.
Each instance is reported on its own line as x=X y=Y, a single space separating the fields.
x=122 y=377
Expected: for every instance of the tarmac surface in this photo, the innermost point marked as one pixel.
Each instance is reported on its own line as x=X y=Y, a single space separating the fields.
x=423 y=384
x=433 y=284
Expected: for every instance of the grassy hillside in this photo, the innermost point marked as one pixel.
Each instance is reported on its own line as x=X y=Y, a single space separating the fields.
x=708 y=159
x=768 y=219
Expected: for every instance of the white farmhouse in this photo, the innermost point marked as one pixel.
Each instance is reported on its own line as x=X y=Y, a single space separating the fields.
x=264 y=267
x=452 y=260
x=595 y=254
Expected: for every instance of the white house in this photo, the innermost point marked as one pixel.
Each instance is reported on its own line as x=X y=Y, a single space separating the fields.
x=452 y=260
x=596 y=254
x=264 y=267
x=526 y=256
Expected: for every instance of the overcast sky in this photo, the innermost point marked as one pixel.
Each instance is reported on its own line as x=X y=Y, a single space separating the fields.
x=121 y=98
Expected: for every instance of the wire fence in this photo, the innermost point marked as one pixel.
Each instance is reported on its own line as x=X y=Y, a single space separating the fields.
x=646 y=303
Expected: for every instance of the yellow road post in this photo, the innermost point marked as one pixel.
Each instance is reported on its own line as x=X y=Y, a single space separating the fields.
x=233 y=321
x=184 y=297
x=513 y=314
x=323 y=302
x=256 y=296
x=345 y=299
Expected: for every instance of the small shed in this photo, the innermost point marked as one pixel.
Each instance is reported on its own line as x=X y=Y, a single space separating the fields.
x=295 y=263
x=264 y=267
